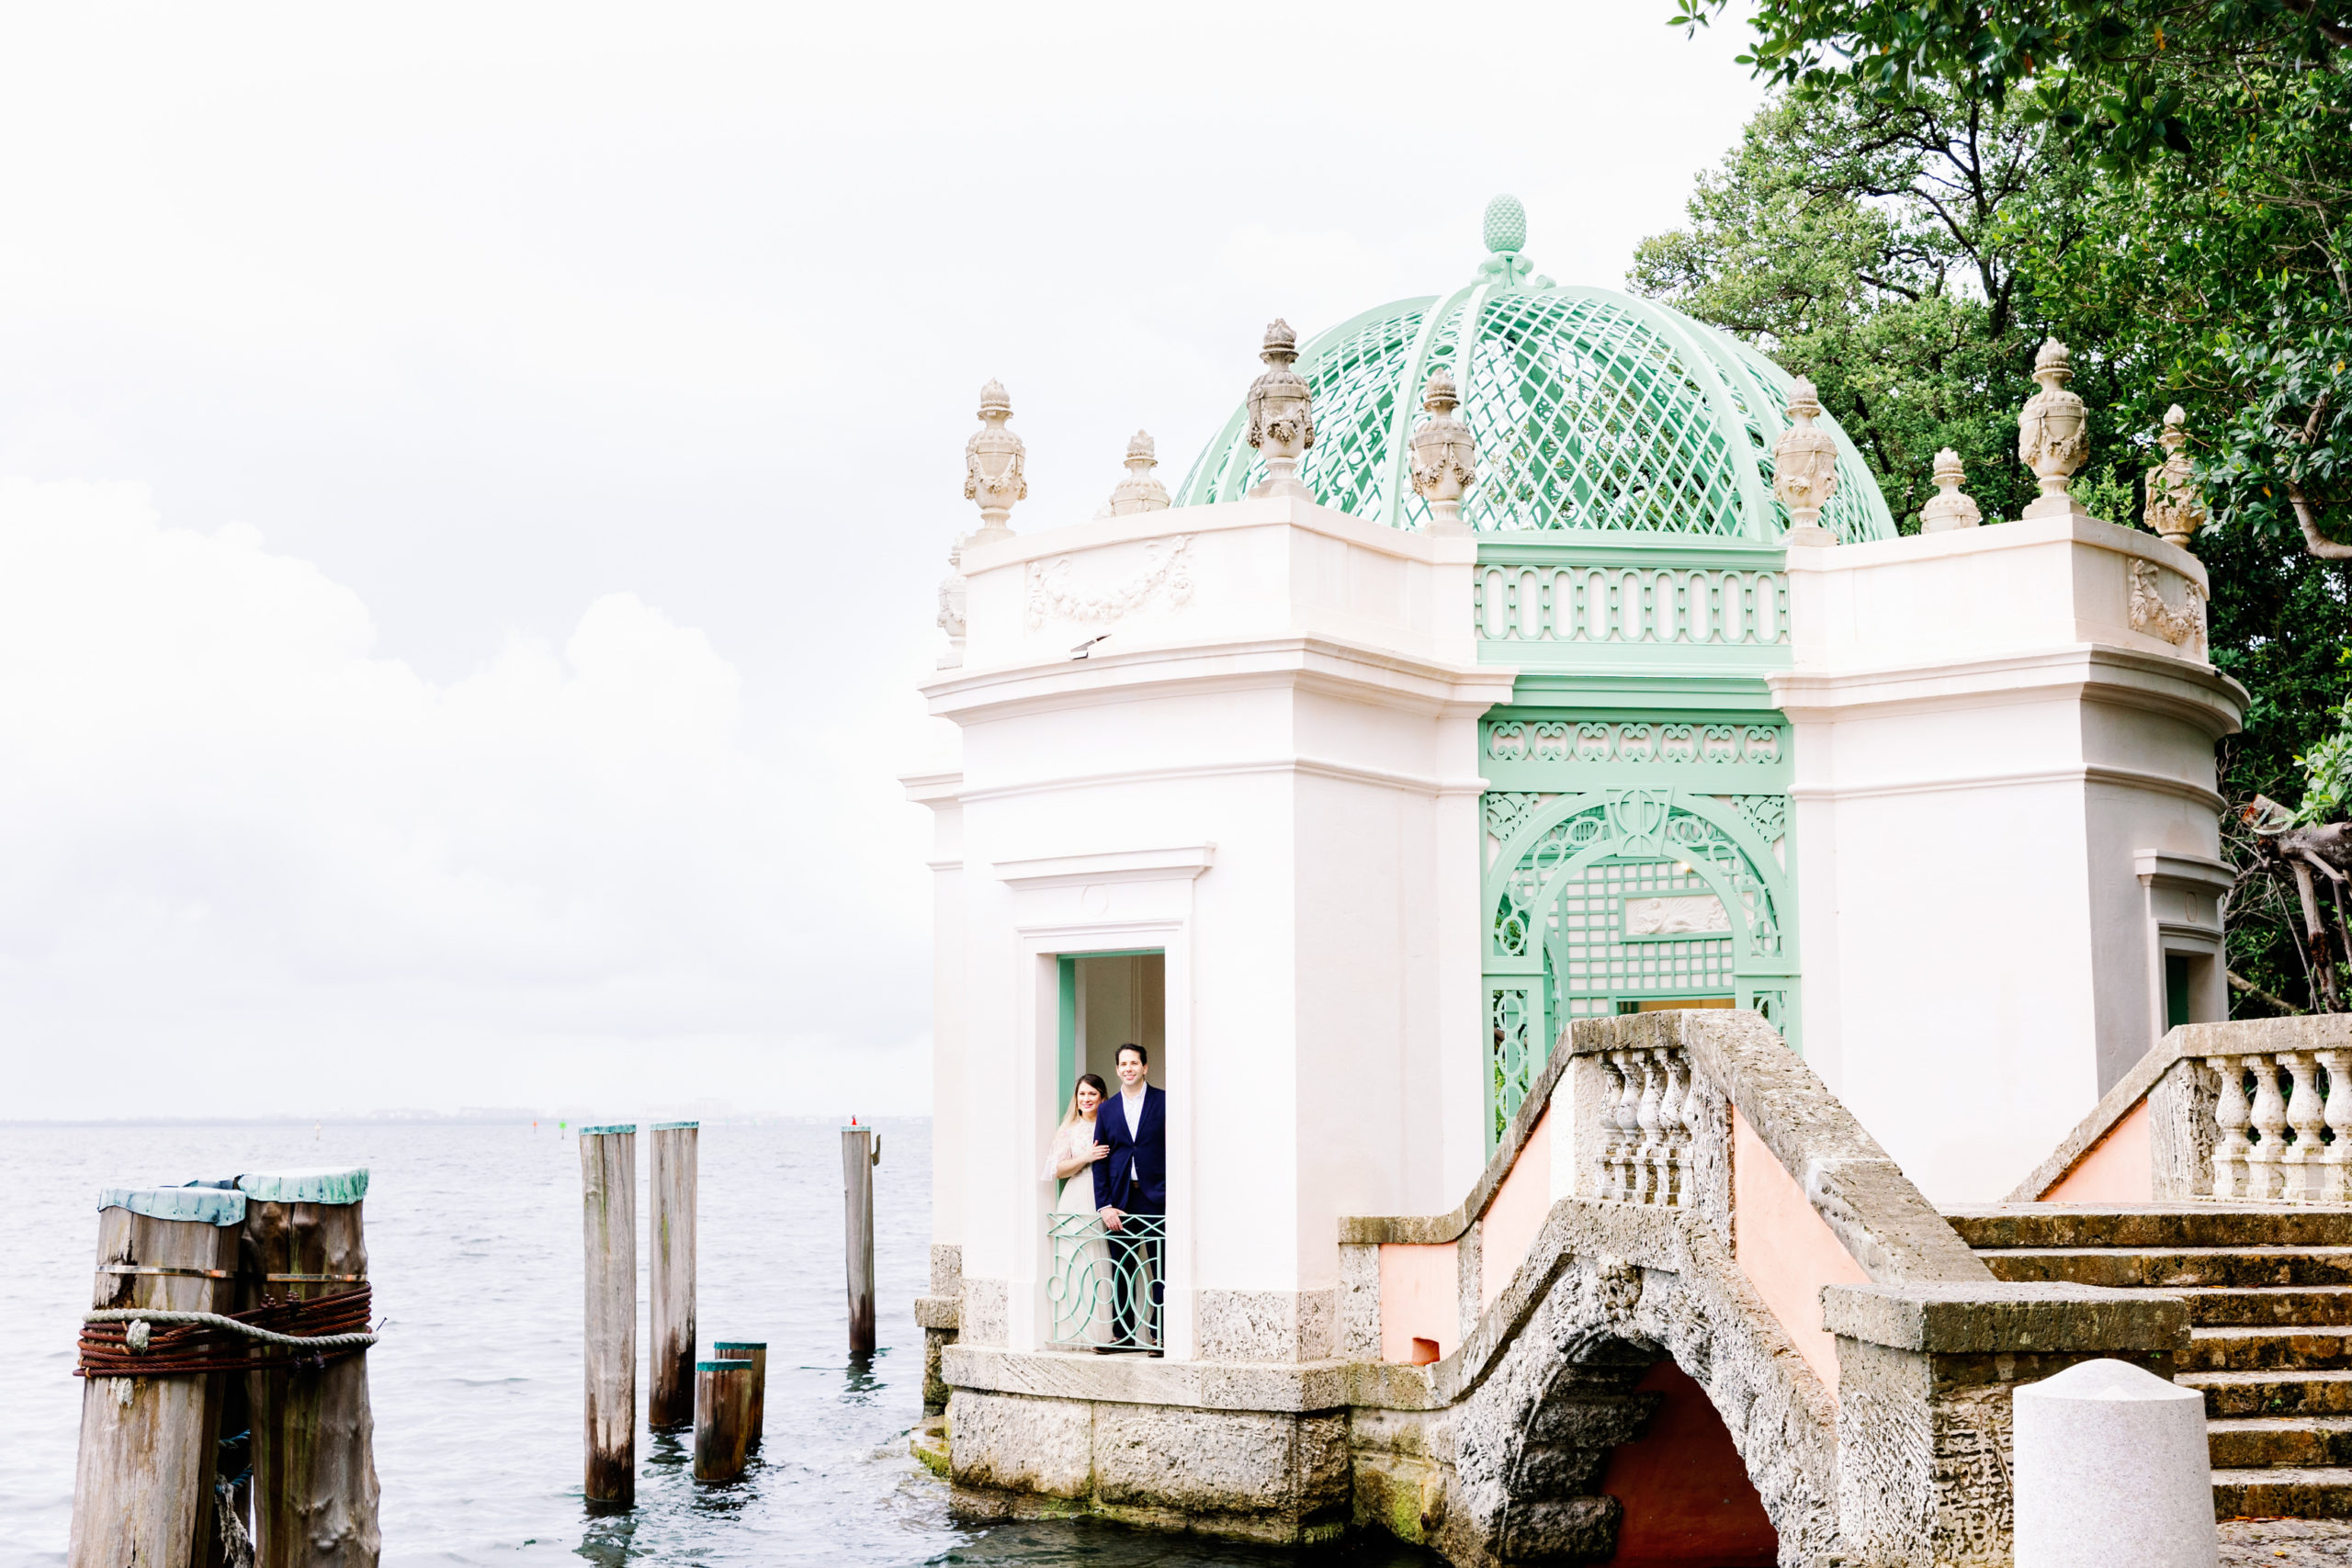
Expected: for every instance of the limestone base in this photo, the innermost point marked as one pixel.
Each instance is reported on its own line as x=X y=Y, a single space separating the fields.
x=1278 y=1477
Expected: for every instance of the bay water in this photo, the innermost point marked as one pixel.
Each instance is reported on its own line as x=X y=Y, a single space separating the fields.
x=474 y=1253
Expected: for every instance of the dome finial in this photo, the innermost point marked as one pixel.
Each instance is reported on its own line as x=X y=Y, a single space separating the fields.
x=1281 y=415
x=1445 y=458
x=1804 y=467
x=1506 y=235
x=1138 y=491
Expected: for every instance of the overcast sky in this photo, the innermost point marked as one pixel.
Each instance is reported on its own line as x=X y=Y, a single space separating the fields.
x=473 y=481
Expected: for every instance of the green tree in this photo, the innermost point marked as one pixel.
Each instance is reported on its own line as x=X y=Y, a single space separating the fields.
x=1909 y=250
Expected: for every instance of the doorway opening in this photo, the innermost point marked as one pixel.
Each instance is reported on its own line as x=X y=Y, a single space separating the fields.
x=1105 y=1288
x=1107 y=1000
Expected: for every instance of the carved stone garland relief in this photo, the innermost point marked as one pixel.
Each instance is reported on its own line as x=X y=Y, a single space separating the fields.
x=1167 y=575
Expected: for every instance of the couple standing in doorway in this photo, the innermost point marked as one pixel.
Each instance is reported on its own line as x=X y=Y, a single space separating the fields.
x=1111 y=1157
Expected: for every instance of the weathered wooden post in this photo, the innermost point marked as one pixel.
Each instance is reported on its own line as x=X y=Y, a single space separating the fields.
x=722 y=1418
x=672 y=1404
x=860 y=1152
x=313 y=1433
x=143 y=1478
x=756 y=1352
x=609 y=1202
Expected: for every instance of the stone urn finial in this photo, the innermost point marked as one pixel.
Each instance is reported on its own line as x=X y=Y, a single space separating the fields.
x=1804 y=467
x=2176 y=502
x=1445 y=458
x=992 y=460
x=1282 y=413
x=1947 y=509
x=2053 y=434
x=1139 y=491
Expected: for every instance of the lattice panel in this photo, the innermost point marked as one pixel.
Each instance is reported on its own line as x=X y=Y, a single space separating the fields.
x=1590 y=956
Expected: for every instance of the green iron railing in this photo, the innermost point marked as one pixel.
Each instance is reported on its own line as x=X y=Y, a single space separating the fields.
x=1107 y=1287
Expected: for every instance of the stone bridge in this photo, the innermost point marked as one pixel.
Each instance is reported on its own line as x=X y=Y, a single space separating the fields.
x=1690 y=1313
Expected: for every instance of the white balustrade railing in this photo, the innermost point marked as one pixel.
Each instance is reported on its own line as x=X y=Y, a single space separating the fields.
x=2290 y=1145
x=1645 y=1131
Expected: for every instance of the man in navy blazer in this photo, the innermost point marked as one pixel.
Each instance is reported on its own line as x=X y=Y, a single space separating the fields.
x=1132 y=1179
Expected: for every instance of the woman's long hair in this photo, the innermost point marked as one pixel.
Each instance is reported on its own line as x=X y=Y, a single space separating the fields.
x=1085 y=1080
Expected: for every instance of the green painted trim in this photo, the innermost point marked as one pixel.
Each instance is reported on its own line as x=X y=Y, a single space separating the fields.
x=1067 y=1059
x=337 y=1184
x=615 y=1127
x=722 y=1366
x=194 y=1205
x=675 y=1126
x=739 y=1344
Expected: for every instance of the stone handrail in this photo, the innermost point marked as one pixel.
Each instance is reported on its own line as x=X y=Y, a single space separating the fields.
x=1703 y=1192
x=2286 y=1136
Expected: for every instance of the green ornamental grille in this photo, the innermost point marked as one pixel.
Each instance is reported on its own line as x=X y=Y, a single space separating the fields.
x=1593 y=410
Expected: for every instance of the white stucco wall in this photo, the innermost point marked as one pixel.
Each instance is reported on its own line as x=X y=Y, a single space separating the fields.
x=1986 y=748
x=1266 y=770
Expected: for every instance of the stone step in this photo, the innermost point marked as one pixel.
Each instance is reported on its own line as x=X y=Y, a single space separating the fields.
x=2169 y=1268
x=2152 y=1225
x=2306 y=1442
x=2240 y=1349
x=2299 y=1306
x=2321 y=1494
x=2288 y=1393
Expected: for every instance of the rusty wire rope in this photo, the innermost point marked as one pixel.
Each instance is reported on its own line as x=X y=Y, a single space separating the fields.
x=307 y=1332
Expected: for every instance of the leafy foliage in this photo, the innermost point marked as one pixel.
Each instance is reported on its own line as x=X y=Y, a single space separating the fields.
x=1905 y=226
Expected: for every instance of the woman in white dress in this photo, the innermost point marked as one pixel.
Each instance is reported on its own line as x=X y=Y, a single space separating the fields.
x=1081 y=1291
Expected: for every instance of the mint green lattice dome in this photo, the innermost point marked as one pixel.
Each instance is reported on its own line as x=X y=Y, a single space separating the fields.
x=1593 y=411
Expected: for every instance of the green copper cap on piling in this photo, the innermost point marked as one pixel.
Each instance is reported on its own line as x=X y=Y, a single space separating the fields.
x=330 y=1184
x=201 y=1205
x=674 y=1126
x=739 y=1344
x=722 y=1366
x=1505 y=225
x=615 y=1127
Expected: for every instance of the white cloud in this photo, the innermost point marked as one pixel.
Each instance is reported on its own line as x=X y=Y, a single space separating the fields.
x=241 y=848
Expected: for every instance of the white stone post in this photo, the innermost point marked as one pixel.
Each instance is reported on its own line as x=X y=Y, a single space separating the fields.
x=2300 y=1161
x=2112 y=1466
x=2264 y=1168
x=2230 y=1116
x=2337 y=1113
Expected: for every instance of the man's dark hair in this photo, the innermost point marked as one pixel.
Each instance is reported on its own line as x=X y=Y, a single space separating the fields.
x=1141 y=1055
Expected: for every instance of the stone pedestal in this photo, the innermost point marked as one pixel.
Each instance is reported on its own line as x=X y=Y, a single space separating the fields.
x=2112 y=1467
x=1926 y=1374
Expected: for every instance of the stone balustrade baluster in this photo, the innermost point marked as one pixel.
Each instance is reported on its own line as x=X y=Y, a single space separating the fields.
x=2231 y=1151
x=1647 y=1161
x=1674 y=1131
x=2336 y=1168
x=1605 y=1179
x=2264 y=1169
x=1628 y=1124
x=2300 y=1161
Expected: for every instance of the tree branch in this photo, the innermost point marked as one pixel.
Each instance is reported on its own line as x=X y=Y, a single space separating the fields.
x=2247 y=987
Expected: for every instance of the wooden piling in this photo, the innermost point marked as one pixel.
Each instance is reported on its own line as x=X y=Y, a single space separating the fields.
x=313 y=1432
x=608 y=1203
x=143 y=1477
x=672 y=1405
x=860 y=1152
x=722 y=1418
x=756 y=1352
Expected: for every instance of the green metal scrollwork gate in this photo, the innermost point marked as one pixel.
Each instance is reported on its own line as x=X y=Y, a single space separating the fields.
x=1610 y=897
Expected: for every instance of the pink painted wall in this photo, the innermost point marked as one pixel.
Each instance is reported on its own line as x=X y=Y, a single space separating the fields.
x=1688 y=1503
x=1517 y=1212
x=2120 y=1167
x=1421 y=1297
x=1785 y=1250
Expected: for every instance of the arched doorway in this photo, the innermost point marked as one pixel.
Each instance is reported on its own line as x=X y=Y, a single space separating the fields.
x=1613 y=899
x=1623 y=1460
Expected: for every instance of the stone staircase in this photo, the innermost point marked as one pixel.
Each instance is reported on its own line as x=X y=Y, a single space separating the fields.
x=2269 y=1293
